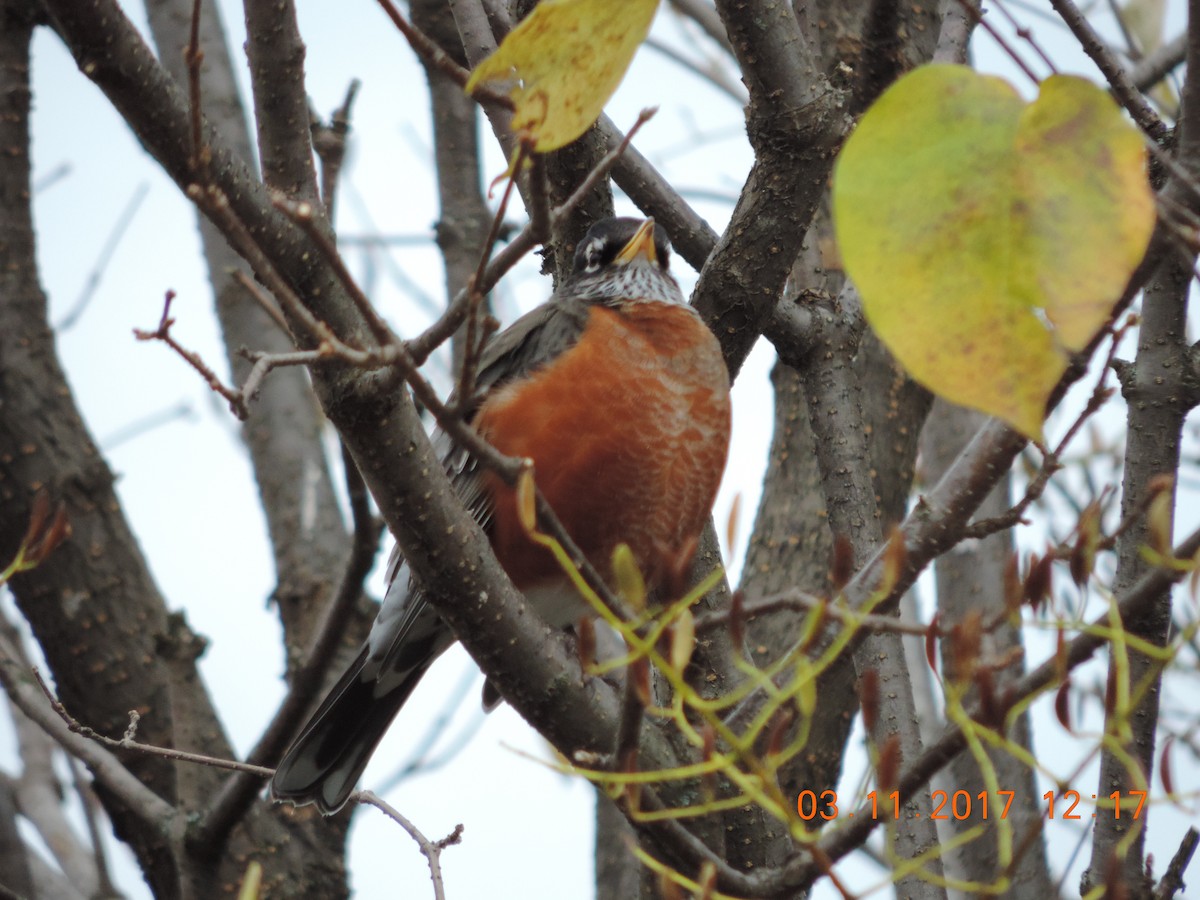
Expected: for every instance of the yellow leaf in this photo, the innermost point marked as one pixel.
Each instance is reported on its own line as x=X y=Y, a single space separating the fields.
x=683 y=640
x=563 y=62
x=988 y=237
x=630 y=583
x=527 y=500
x=251 y=882
x=806 y=688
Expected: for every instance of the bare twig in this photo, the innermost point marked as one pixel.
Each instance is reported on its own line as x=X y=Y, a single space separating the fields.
x=1154 y=67
x=194 y=57
x=978 y=18
x=163 y=333
x=329 y=142
x=431 y=850
x=303 y=215
x=106 y=768
x=128 y=742
x=1025 y=33
x=428 y=50
x=1172 y=880
x=263 y=299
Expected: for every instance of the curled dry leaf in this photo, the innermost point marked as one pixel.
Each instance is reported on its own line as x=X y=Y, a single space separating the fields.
x=1164 y=767
x=639 y=671
x=888 y=768
x=895 y=556
x=966 y=642
x=585 y=642
x=868 y=698
x=1062 y=705
x=780 y=723
x=931 y=633
x=1082 y=560
x=1159 y=521
x=841 y=566
x=1039 y=580
x=737 y=621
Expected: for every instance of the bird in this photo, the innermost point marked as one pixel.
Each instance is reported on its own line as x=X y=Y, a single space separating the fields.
x=618 y=392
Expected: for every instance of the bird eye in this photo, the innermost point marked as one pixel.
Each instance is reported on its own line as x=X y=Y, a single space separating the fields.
x=593 y=255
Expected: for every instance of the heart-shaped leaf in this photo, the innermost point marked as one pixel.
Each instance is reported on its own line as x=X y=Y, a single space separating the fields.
x=989 y=238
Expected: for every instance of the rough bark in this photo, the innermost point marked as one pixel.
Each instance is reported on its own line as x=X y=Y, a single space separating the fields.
x=970 y=579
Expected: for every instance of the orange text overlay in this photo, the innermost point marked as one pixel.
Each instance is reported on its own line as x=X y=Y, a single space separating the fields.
x=962 y=805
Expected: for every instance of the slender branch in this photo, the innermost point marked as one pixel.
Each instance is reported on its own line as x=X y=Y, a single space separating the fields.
x=428 y=50
x=106 y=768
x=127 y=742
x=974 y=9
x=1172 y=880
x=1156 y=66
x=329 y=143
x=163 y=333
x=303 y=214
x=193 y=58
x=38 y=791
x=1052 y=459
x=431 y=850
x=1154 y=388
x=276 y=54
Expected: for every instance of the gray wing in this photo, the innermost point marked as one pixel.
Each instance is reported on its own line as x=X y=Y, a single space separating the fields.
x=407 y=629
x=326 y=760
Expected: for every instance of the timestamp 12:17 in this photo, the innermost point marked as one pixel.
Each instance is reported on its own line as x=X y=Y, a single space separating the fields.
x=1073 y=797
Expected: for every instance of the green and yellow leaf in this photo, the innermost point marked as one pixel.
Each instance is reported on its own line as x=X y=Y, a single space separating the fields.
x=563 y=62
x=989 y=238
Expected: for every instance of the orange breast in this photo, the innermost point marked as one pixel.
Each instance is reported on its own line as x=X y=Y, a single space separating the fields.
x=629 y=434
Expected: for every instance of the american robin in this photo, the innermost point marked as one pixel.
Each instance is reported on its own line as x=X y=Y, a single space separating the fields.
x=619 y=394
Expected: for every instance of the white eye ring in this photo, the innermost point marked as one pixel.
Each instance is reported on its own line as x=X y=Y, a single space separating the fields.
x=592 y=254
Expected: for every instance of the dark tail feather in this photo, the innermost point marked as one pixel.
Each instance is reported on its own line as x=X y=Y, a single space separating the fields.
x=324 y=764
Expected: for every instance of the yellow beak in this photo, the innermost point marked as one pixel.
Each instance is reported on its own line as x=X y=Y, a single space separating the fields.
x=641 y=244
